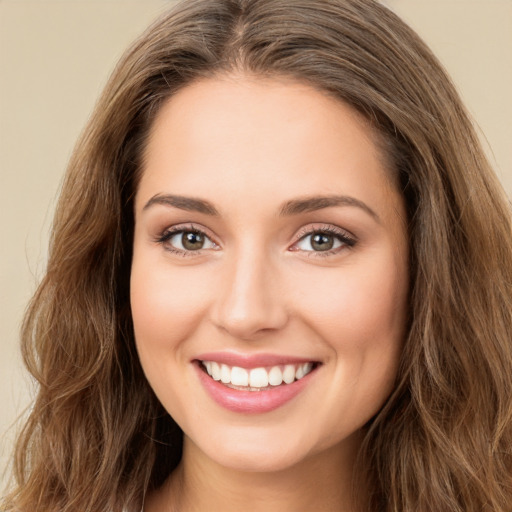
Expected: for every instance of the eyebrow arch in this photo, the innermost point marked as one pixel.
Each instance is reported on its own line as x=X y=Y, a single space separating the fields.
x=293 y=207
x=309 y=204
x=190 y=204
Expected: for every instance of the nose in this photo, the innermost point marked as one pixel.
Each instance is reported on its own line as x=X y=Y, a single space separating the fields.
x=249 y=303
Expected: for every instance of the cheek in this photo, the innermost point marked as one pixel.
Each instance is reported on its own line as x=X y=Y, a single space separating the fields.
x=361 y=318
x=166 y=304
x=362 y=307
x=166 y=309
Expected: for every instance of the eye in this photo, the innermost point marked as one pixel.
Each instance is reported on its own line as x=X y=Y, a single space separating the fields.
x=327 y=241
x=186 y=240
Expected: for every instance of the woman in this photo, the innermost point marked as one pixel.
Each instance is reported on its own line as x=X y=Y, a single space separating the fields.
x=279 y=279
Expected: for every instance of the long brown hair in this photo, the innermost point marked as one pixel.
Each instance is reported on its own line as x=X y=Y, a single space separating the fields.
x=97 y=438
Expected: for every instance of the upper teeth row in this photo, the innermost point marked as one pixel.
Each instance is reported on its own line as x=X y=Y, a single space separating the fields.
x=257 y=377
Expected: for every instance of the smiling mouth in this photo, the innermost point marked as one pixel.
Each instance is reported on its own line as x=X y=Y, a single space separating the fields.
x=257 y=379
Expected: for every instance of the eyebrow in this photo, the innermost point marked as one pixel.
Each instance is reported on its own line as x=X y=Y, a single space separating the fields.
x=190 y=204
x=309 y=204
x=293 y=207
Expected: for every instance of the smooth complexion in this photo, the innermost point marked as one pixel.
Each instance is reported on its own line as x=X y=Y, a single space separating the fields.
x=236 y=257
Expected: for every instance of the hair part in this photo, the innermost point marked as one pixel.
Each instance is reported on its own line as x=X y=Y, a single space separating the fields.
x=97 y=438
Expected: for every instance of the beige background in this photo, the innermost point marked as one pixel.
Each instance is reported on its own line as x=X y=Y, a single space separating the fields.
x=55 y=57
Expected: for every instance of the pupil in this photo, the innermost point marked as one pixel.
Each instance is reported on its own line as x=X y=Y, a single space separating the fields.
x=192 y=241
x=322 y=242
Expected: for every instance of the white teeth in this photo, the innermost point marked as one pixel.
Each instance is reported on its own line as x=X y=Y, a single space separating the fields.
x=303 y=370
x=239 y=376
x=215 y=371
x=289 y=373
x=257 y=377
x=275 y=376
x=225 y=374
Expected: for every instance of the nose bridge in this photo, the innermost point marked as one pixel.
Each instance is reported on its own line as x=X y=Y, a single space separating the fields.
x=250 y=302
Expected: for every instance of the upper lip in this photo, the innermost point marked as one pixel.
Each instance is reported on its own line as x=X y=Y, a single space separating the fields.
x=252 y=360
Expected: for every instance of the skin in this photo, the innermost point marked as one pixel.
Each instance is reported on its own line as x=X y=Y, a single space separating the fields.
x=248 y=146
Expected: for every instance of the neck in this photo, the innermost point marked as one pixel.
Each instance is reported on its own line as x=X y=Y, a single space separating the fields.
x=320 y=482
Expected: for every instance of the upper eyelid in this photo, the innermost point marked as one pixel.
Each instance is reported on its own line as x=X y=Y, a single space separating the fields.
x=179 y=228
x=325 y=228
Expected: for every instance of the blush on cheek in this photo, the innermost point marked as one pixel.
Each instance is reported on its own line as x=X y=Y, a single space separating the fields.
x=357 y=311
x=166 y=305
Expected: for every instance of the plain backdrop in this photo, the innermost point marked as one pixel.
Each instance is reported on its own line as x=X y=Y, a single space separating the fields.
x=55 y=56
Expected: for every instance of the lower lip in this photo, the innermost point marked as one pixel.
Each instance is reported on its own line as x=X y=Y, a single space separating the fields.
x=251 y=402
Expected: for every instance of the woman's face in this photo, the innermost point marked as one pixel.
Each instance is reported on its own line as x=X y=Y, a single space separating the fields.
x=269 y=277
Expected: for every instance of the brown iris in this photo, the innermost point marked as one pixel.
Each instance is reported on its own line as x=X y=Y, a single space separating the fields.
x=192 y=240
x=322 y=242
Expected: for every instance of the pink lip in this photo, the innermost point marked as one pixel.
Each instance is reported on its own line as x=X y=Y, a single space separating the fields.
x=250 y=361
x=251 y=402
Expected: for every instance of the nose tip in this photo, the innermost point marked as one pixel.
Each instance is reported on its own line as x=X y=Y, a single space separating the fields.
x=247 y=324
x=250 y=305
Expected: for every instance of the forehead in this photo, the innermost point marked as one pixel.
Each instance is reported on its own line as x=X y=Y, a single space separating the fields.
x=237 y=135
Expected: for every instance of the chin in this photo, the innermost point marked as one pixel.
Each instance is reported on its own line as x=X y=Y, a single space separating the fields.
x=257 y=461
x=255 y=452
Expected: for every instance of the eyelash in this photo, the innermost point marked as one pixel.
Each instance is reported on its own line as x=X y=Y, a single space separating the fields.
x=346 y=239
x=166 y=236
